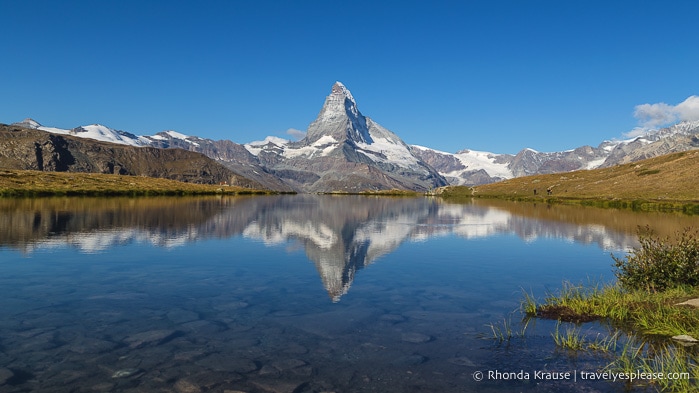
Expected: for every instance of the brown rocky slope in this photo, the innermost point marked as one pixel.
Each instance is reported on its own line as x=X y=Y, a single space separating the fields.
x=24 y=148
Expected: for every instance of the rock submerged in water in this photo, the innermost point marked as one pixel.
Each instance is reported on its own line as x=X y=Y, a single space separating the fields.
x=227 y=363
x=410 y=360
x=5 y=375
x=392 y=318
x=153 y=337
x=184 y=386
x=415 y=338
x=125 y=373
x=462 y=361
x=180 y=316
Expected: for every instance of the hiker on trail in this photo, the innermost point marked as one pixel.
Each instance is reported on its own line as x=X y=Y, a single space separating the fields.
x=549 y=191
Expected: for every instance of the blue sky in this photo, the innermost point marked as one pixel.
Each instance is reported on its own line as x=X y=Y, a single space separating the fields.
x=485 y=75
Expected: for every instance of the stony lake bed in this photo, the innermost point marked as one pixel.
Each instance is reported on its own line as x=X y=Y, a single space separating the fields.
x=295 y=293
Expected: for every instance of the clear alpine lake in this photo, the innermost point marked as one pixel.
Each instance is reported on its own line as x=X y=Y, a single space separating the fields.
x=297 y=293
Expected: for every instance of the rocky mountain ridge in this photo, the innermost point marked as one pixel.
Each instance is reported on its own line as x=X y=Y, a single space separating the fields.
x=227 y=153
x=469 y=167
x=345 y=151
x=32 y=149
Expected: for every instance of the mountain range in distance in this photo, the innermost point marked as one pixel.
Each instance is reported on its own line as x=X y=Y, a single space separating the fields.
x=344 y=151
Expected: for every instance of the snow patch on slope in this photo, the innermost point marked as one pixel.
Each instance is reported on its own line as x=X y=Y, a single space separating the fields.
x=270 y=142
x=180 y=136
x=177 y=135
x=595 y=163
x=322 y=147
x=474 y=160
x=101 y=133
x=388 y=151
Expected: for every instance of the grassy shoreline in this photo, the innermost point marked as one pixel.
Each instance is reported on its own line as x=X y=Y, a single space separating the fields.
x=652 y=310
x=652 y=282
x=687 y=206
x=653 y=314
x=664 y=183
x=23 y=183
x=645 y=330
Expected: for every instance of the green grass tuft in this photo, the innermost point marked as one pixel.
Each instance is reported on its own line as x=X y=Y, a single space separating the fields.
x=505 y=331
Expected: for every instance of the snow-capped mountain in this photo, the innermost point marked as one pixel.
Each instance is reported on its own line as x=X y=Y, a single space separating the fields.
x=345 y=151
x=679 y=137
x=97 y=132
x=469 y=167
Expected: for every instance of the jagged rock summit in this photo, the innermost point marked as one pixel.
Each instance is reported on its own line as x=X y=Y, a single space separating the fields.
x=347 y=152
x=339 y=118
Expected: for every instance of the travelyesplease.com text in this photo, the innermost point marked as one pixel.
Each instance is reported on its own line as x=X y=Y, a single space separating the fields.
x=575 y=375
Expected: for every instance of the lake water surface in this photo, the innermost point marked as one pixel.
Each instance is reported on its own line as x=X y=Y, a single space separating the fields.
x=293 y=293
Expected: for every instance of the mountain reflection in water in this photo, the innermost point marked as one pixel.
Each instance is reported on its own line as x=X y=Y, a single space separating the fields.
x=340 y=234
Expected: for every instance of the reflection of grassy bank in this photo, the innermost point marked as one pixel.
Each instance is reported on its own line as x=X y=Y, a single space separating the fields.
x=17 y=183
x=644 y=303
x=617 y=222
x=391 y=192
x=663 y=183
x=28 y=221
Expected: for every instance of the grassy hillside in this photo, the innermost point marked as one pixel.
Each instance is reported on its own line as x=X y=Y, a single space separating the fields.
x=38 y=183
x=666 y=182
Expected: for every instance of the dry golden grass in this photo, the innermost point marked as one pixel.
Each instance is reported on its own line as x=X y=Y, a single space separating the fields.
x=670 y=178
x=37 y=183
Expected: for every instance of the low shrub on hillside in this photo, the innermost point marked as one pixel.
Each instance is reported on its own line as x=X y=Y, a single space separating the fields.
x=660 y=264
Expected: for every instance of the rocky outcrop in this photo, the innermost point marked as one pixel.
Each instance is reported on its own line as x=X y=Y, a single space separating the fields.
x=24 y=148
x=529 y=162
x=445 y=162
x=680 y=137
x=230 y=154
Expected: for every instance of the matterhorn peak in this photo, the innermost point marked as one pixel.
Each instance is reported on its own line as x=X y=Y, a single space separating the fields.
x=339 y=118
x=340 y=90
x=338 y=104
